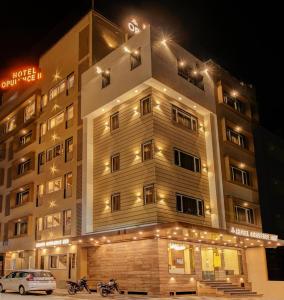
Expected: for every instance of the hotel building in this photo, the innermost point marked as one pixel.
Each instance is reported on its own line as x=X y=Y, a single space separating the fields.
x=138 y=165
x=41 y=154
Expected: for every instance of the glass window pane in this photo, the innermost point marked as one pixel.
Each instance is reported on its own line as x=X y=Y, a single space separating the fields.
x=180 y=258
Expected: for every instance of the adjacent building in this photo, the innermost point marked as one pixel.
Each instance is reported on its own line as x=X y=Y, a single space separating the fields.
x=131 y=159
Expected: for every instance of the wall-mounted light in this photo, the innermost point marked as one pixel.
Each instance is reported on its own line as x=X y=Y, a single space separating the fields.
x=126 y=50
x=99 y=70
x=234 y=93
x=204 y=168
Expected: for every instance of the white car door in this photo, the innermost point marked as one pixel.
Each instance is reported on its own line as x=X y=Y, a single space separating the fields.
x=7 y=281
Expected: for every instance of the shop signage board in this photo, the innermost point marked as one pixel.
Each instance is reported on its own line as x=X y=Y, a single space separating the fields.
x=253 y=234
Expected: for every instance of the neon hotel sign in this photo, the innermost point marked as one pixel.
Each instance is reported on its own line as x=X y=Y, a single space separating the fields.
x=28 y=75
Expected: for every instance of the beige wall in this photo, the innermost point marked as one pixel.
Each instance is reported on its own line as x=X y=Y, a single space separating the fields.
x=257 y=275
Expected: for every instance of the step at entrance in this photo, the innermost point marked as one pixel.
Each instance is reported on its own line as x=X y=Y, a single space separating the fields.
x=224 y=288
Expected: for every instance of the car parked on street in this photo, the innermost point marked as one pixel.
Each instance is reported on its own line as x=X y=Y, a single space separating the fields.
x=24 y=281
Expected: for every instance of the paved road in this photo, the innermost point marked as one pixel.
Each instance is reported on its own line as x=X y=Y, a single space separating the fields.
x=82 y=296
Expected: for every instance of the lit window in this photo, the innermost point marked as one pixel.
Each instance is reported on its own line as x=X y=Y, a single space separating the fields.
x=189 y=205
x=40 y=192
x=56 y=120
x=54 y=185
x=20 y=228
x=233 y=263
x=68 y=185
x=25 y=139
x=115 y=163
x=70 y=82
x=69 y=149
x=58 y=89
x=115 y=202
x=67 y=218
x=69 y=115
x=43 y=101
x=41 y=161
x=149 y=194
x=106 y=78
x=51 y=221
x=235 y=103
x=244 y=215
x=147 y=151
x=145 y=106
x=22 y=197
x=135 y=59
x=58 y=262
x=184 y=119
x=181 y=258
x=114 y=121
x=236 y=138
x=11 y=124
x=29 y=111
x=240 y=176
x=186 y=161
x=24 y=167
x=43 y=128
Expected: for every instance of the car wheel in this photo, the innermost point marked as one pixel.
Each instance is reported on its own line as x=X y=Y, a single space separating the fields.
x=1 y=289
x=49 y=292
x=22 y=290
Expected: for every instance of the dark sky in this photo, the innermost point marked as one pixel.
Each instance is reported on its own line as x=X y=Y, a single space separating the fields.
x=242 y=36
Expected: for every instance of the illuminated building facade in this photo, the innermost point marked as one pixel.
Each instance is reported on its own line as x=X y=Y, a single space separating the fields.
x=41 y=152
x=142 y=170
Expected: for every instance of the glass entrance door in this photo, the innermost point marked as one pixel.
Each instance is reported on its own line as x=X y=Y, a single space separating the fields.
x=211 y=263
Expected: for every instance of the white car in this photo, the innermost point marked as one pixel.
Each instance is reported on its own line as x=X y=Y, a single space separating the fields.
x=23 y=281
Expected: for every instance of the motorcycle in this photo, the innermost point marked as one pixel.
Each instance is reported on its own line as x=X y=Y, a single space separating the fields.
x=74 y=287
x=108 y=288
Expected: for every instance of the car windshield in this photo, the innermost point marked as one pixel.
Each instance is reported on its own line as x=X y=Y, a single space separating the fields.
x=42 y=274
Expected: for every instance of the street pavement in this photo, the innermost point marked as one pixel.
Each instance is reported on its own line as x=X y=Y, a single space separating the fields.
x=84 y=296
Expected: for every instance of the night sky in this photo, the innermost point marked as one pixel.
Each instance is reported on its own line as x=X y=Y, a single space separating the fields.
x=241 y=36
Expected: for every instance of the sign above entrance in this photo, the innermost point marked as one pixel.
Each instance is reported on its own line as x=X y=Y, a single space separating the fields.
x=52 y=243
x=27 y=75
x=254 y=234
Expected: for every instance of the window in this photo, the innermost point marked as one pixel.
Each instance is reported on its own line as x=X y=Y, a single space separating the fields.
x=29 y=111
x=189 y=205
x=186 y=161
x=51 y=221
x=115 y=202
x=191 y=74
x=234 y=103
x=25 y=139
x=39 y=224
x=147 y=151
x=236 y=138
x=149 y=194
x=184 y=119
x=181 y=258
x=57 y=89
x=58 y=261
x=43 y=102
x=145 y=106
x=68 y=185
x=240 y=176
x=11 y=124
x=54 y=152
x=70 y=82
x=2 y=151
x=135 y=59
x=20 y=227
x=24 y=167
x=114 y=121
x=244 y=214
x=67 y=214
x=69 y=149
x=69 y=115
x=106 y=78
x=41 y=161
x=55 y=121
x=115 y=163
x=42 y=130
x=22 y=197
x=54 y=185
x=39 y=194
x=233 y=263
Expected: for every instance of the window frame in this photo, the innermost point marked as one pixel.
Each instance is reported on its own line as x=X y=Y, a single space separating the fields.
x=66 y=189
x=105 y=78
x=242 y=139
x=69 y=154
x=48 y=191
x=27 y=118
x=115 y=206
x=145 y=187
x=149 y=110
x=196 y=160
x=113 y=157
x=135 y=59
x=143 y=145
x=246 y=180
x=112 y=122
x=247 y=211
x=191 y=118
x=197 y=200
x=21 y=169
x=23 y=138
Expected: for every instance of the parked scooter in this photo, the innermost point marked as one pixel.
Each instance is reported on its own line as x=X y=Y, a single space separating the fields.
x=108 y=288
x=74 y=287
